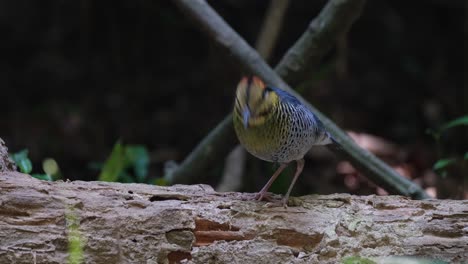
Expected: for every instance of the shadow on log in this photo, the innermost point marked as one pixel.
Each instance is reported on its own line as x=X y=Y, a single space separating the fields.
x=137 y=223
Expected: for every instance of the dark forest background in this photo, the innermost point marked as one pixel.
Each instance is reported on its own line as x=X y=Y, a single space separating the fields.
x=76 y=76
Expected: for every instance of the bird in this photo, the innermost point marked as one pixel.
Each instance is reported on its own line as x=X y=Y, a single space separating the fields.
x=274 y=126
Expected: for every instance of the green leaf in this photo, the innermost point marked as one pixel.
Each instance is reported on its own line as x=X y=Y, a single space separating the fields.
x=51 y=167
x=114 y=164
x=161 y=182
x=408 y=259
x=442 y=163
x=126 y=177
x=357 y=260
x=44 y=177
x=25 y=165
x=461 y=121
x=21 y=159
x=137 y=157
x=465 y=157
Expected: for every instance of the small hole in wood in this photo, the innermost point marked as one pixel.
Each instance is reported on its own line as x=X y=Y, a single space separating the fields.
x=156 y=198
x=224 y=206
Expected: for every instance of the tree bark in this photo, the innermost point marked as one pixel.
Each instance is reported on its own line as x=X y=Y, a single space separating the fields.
x=6 y=164
x=137 y=223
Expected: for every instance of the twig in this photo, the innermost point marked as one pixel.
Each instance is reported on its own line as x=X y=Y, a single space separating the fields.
x=211 y=150
x=333 y=21
x=343 y=13
x=271 y=27
x=233 y=171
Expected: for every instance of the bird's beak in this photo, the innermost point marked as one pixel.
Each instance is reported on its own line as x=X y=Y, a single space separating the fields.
x=246 y=117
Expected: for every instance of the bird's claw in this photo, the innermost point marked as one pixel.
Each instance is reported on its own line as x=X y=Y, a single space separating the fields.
x=263 y=196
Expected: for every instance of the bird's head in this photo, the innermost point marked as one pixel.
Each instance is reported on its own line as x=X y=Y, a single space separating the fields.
x=254 y=101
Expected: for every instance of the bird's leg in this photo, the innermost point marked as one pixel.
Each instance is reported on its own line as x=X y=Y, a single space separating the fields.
x=265 y=188
x=300 y=166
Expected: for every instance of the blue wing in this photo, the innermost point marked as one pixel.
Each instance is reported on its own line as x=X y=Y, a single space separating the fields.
x=285 y=96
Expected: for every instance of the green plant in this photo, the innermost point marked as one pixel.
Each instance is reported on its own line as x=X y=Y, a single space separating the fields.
x=22 y=161
x=443 y=163
x=75 y=239
x=356 y=260
x=126 y=163
x=49 y=165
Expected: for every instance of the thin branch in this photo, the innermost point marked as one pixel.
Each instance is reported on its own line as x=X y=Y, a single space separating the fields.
x=233 y=171
x=271 y=27
x=215 y=27
x=333 y=21
x=211 y=150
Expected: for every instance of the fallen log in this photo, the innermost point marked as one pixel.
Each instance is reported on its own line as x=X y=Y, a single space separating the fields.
x=138 y=223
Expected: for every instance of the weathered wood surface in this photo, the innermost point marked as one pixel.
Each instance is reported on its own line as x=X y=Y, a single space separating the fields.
x=136 y=223
x=6 y=164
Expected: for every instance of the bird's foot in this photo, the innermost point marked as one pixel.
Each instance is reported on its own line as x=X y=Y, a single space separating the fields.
x=263 y=196
x=271 y=202
x=285 y=202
